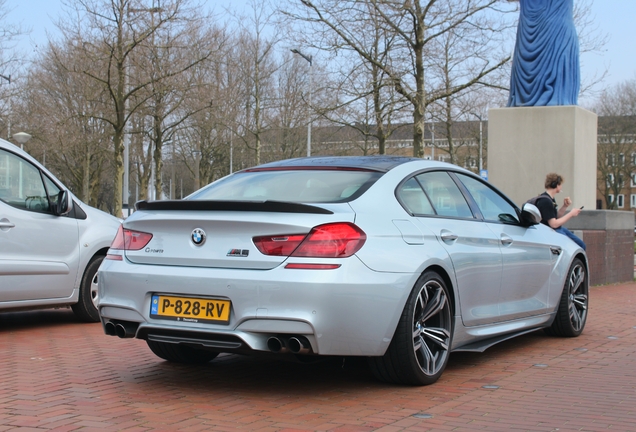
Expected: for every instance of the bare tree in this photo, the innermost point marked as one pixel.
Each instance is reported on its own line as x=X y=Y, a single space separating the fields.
x=204 y=141
x=366 y=98
x=9 y=34
x=257 y=67
x=175 y=48
x=9 y=64
x=289 y=113
x=58 y=111
x=416 y=25
x=591 y=40
x=114 y=34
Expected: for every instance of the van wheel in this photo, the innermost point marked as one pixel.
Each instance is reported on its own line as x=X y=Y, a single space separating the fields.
x=86 y=307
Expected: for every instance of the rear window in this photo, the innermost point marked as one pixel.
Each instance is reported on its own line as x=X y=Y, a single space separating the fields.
x=302 y=186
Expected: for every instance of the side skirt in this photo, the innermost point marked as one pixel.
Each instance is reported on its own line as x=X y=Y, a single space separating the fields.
x=480 y=338
x=483 y=345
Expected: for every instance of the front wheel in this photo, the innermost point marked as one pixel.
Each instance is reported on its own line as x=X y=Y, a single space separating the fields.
x=572 y=312
x=86 y=307
x=178 y=353
x=420 y=347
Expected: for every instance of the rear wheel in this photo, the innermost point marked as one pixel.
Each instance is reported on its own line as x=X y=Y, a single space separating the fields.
x=420 y=347
x=572 y=312
x=86 y=306
x=178 y=353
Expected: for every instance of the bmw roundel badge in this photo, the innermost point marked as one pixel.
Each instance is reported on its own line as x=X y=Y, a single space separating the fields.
x=198 y=236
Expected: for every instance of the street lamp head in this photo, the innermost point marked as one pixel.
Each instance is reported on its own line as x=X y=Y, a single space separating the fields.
x=21 y=137
x=306 y=57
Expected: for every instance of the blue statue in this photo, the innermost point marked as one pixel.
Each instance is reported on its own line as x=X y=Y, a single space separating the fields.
x=545 y=65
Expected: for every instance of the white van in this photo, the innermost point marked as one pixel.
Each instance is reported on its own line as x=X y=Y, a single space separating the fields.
x=51 y=243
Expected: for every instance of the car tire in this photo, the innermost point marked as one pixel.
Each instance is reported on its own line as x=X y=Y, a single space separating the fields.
x=178 y=353
x=86 y=307
x=419 y=350
x=572 y=312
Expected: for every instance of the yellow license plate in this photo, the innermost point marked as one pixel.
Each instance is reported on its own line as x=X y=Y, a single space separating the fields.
x=190 y=309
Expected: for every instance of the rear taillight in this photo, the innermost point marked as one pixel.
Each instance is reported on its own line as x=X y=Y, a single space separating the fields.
x=130 y=240
x=280 y=245
x=335 y=240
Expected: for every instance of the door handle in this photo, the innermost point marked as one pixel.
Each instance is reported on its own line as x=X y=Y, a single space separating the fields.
x=505 y=240
x=448 y=236
x=5 y=224
x=556 y=250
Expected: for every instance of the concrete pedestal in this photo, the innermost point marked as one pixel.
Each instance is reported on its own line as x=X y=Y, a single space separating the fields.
x=525 y=144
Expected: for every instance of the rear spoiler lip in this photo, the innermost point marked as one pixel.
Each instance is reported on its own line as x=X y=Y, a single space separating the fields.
x=251 y=206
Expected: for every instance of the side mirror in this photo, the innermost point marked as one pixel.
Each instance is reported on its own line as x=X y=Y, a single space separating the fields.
x=63 y=204
x=530 y=214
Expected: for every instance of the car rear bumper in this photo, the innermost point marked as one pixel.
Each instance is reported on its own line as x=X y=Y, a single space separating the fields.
x=351 y=310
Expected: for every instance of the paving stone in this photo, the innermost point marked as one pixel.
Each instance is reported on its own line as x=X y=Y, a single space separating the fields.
x=61 y=375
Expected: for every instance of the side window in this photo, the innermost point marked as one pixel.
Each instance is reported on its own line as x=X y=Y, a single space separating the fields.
x=413 y=198
x=492 y=205
x=21 y=184
x=51 y=189
x=446 y=198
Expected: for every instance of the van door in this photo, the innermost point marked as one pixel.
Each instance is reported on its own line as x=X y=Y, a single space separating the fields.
x=39 y=251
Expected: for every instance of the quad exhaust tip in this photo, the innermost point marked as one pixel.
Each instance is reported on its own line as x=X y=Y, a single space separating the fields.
x=109 y=328
x=276 y=345
x=122 y=329
x=298 y=345
x=294 y=344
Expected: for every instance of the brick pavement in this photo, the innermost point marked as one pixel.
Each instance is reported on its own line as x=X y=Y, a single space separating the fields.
x=57 y=374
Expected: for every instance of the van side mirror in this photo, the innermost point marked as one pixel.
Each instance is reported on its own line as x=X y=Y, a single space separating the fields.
x=64 y=204
x=530 y=215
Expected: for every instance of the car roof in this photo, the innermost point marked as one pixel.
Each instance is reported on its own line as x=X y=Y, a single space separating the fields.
x=381 y=163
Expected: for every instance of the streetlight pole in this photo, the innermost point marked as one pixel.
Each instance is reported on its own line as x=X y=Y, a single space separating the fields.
x=21 y=138
x=173 y=185
x=480 y=140
x=309 y=60
x=231 y=152
x=432 y=139
x=197 y=159
x=127 y=143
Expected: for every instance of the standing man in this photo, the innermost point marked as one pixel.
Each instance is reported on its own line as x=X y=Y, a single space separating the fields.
x=550 y=214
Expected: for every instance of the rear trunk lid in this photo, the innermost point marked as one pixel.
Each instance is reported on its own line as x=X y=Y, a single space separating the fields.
x=226 y=230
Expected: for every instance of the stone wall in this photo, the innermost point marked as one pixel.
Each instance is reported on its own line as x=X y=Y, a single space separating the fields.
x=609 y=237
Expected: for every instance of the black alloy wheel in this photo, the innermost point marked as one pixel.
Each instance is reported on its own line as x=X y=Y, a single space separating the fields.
x=572 y=312
x=420 y=347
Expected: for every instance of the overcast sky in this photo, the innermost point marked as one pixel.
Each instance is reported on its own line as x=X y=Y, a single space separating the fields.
x=614 y=17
